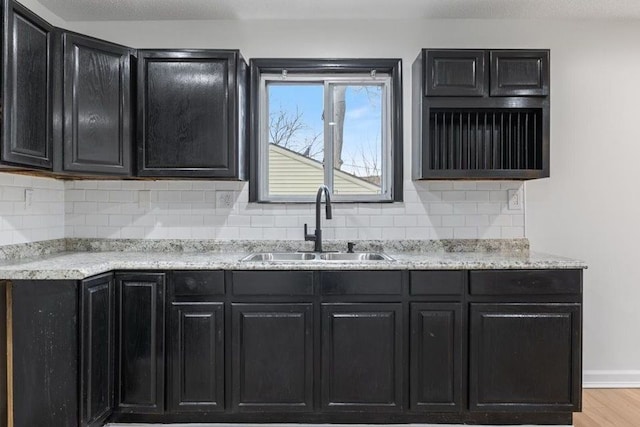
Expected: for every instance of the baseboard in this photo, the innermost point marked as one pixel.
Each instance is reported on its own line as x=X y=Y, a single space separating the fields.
x=611 y=379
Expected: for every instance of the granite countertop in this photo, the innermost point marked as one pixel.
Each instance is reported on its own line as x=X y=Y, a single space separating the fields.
x=76 y=265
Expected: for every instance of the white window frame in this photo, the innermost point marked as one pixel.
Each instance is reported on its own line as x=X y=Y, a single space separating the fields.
x=328 y=80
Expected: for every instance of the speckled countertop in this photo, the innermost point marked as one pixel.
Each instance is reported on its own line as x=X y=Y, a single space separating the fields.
x=79 y=264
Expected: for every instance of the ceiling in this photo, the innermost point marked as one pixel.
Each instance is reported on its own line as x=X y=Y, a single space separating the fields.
x=138 y=10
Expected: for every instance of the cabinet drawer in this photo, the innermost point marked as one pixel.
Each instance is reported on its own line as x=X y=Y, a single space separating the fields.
x=455 y=73
x=272 y=282
x=437 y=282
x=198 y=283
x=361 y=282
x=519 y=72
x=525 y=282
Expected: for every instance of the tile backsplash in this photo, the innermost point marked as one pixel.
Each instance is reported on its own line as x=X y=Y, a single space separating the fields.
x=31 y=209
x=214 y=209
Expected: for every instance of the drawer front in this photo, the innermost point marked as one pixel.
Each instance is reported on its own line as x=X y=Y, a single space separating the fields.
x=437 y=282
x=198 y=283
x=361 y=282
x=525 y=282
x=272 y=283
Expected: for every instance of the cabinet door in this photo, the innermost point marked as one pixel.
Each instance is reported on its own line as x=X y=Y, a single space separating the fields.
x=42 y=342
x=362 y=357
x=455 y=73
x=140 y=341
x=272 y=364
x=186 y=113
x=96 y=349
x=525 y=357
x=97 y=106
x=436 y=357
x=196 y=362
x=519 y=72
x=27 y=89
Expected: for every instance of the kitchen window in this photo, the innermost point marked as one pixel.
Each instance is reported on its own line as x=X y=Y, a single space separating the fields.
x=331 y=122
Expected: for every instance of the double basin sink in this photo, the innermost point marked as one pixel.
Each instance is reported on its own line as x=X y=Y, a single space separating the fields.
x=314 y=256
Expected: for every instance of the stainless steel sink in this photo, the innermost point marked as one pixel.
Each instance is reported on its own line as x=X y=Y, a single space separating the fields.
x=284 y=256
x=312 y=256
x=358 y=256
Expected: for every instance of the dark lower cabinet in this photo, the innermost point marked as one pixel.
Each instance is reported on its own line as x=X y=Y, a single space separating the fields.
x=43 y=336
x=481 y=347
x=272 y=362
x=97 y=106
x=196 y=357
x=436 y=357
x=26 y=88
x=362 y=357
x=96 y=349
x=140 y=342
x=525 y=357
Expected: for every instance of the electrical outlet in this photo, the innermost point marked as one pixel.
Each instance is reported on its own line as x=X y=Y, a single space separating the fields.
x=515 y=199
x=28 y=197
x=224 y=199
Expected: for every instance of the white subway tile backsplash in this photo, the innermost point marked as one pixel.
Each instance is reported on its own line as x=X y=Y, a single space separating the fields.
x=44 y=219
x=440 y=208
x=220 y=210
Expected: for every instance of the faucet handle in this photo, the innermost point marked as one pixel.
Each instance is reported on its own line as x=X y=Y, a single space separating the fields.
x=350 y=246
x=307 y=236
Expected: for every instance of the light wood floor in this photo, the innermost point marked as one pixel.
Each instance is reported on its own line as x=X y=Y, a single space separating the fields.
x=609 y=407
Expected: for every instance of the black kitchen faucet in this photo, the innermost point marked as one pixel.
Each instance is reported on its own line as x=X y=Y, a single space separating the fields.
x=317 y=236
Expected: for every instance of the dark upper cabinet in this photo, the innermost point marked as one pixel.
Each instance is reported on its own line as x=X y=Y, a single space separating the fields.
x=140 y=342
x=26 y=88
x=519 y=72
x=191 y=113
x=272 y=362
x=525 y=357
x=96 y=97
x=96 y=349
x=436 y=357
x=196 y=357
x=362 y=357
x=481 y=114
x=455 y=73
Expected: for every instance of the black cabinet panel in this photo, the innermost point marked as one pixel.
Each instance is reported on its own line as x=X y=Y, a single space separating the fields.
x=44 y=339
x=27 y=89
x=438 y=283
x=97 y=106
x=272 y=364
x=192 y=284
x=455 y=73
x=96 y=349
x=196 y=362
x=140 y=340
x=525 y=282
x=361 y=282
x=519 y=72
x=187 y=113
x=269 y=283
x=362 y=357
x=525 y=357
x=436 y=357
